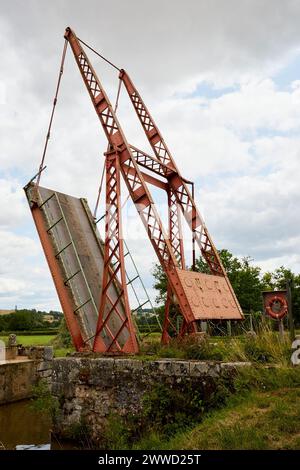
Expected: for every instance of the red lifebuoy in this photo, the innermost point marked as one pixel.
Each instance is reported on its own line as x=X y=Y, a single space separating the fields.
x=283 y=310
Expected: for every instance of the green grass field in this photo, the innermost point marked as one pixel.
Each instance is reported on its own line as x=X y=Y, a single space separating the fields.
x=40 y=340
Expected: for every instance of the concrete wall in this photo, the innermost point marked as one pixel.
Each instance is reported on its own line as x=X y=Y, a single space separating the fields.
x=90 y=389
x=20 y=374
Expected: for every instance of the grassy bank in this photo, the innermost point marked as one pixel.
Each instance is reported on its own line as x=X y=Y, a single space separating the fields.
x=262 y=412
x=262 y=420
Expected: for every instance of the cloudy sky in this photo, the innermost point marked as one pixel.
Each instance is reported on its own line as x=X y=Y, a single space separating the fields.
x=222 y=80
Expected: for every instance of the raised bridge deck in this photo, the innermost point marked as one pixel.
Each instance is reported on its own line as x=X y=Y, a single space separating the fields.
x=74 y=252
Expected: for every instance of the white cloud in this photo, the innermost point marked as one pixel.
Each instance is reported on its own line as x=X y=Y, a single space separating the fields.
x=12 y=203
x=24 y=277
x=257 y=105
x=241 y=148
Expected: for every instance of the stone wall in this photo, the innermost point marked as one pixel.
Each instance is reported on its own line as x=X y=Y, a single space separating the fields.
x=20 y=374
x=16 y=380
x=90 y=389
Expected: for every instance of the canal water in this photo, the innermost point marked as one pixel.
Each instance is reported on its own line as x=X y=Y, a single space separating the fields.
x=21 y=427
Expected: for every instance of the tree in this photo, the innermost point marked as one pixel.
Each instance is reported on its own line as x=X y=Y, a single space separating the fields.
x=160 y=283
x=25 y=320
x=230 y=263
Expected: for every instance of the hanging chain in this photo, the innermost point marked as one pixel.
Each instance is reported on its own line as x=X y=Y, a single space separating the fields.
x=61 y=71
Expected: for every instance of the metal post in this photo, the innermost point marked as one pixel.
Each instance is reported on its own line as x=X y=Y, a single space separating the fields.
x=229 y=327
x=193 y=234
x=281 y=329
x=178 y=323
x=290 y=309
x=251 y=322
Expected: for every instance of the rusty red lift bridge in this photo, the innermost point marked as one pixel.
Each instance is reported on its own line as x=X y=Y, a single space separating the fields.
x=89 y=274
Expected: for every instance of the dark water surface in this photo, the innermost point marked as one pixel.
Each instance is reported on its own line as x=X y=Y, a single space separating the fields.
x=22 y=426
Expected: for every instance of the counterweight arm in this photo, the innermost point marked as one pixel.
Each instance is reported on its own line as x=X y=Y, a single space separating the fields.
x=177 y=183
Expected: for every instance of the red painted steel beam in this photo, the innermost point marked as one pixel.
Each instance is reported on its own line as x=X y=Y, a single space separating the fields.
x=154 y=181
x=175 y=228
x=153 y=164
x=150 y=162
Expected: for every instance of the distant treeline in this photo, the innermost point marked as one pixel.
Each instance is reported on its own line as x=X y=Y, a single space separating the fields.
x=28 y=320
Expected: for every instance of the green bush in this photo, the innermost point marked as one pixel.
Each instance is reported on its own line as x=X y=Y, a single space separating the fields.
x=63 y=338
x=80 y=432
x=43 y=401
x=170 y=410
x=116 y=435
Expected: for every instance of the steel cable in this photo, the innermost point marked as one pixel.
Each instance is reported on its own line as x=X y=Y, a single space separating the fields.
x=61 y=71
x=97 y=53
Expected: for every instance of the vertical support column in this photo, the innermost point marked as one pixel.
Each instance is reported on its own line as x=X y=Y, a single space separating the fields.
x=193 y=234
x=251 y=321
x=290 y=309
x=281 y=329
x=175 y=228
x=167 y=324
x=176 y=239
x=121 y=338
x=175 y=236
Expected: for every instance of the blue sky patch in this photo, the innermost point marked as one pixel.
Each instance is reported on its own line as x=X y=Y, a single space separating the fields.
x=288 y=74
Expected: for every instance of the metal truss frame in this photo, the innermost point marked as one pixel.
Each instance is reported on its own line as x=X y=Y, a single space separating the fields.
x=125 y=159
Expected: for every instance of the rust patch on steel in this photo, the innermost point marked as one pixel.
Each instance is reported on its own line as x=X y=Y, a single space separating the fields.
x=209 y=296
